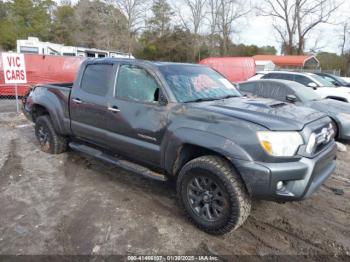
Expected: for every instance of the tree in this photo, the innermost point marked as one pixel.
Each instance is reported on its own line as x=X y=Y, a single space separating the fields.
x=135 y=13
x=213 y=10
x=197 y=13
x=99 y=25
x=63 y=25
x=295 y=19
x=162 y=14
x=345 y=32
x=23 y=18
x=229 y=11
x=174 y=46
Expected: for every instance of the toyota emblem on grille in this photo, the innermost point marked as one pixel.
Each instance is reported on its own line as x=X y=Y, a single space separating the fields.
x=327 y=134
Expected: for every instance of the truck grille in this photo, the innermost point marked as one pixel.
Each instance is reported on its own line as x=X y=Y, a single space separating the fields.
x=319 y=139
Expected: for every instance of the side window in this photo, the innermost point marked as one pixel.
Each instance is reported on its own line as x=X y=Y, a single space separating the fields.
x=330 y=80
x=270 y=76
x=137 y=84
x=274 y=91
x=248 y=87
x=302 y=80
x=289 y=77
x=97 y=79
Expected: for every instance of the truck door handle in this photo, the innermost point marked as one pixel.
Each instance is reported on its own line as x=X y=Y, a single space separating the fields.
x=114 y=109
x=77 y=100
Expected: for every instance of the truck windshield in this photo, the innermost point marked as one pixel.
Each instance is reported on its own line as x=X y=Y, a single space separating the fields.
x=191 y=83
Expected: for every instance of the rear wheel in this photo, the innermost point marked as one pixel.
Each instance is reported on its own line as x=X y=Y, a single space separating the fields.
x=50 y=142
x=213 y=195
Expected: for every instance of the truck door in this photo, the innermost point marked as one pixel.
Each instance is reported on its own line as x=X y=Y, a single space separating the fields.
x=136 y=118
x=88 y=104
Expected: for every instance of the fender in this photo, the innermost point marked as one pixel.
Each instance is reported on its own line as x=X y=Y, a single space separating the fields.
x=219 y=144
x=45 y=98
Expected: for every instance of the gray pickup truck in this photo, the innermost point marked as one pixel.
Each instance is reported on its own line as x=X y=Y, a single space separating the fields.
x=188 y=123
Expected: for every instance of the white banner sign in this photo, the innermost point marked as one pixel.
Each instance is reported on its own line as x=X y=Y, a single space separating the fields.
x=14 y=68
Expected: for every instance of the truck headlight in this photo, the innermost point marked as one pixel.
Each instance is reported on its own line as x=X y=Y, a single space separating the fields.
x=280 y=144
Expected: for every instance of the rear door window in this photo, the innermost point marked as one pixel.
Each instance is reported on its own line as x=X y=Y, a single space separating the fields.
x=97 y=79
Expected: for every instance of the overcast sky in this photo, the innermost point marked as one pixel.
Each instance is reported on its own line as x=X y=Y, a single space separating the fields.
x=259 y=31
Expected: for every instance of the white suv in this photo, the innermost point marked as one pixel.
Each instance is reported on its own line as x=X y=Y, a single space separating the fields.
x=318 y=83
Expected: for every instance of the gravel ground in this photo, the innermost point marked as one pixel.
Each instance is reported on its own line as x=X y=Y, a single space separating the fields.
x=72 y=204
x=8 y=105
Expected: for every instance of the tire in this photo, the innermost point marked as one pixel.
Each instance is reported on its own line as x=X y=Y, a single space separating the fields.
x=198 y=187
x=335 y=128
x=50 y=142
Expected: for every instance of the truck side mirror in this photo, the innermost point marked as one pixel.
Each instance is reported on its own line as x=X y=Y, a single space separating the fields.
x=291 y=98
x=161 y=98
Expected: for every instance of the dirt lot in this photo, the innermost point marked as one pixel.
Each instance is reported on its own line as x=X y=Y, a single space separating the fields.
x=72 y=204
x=8 y=105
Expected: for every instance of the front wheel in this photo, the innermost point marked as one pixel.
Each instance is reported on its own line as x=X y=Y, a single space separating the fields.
x=213 y=195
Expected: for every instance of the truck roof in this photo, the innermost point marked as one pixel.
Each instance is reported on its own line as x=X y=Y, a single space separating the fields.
x=153 y=63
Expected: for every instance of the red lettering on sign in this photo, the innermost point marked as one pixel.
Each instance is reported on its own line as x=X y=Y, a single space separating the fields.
x=18 y=60
x=18 y=74
x=9 y=60
x=8 y=74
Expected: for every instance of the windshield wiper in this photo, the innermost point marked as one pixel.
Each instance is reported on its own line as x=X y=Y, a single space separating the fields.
x=229 y=96
x=202 y=100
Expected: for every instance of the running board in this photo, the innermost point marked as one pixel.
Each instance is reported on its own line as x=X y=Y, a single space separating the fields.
x=135 y=168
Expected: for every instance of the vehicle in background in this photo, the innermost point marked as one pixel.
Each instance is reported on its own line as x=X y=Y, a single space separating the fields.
x=323 y=87
x=33 y=45
x=292 y=92
x=235 y=69
x=258 y=75
x=335 y=80
x=189 y=123
x=346 y=79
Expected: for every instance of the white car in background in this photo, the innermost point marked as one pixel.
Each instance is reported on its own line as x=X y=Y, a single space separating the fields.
x=346 y=79
x=323 y=87
x=258 y=75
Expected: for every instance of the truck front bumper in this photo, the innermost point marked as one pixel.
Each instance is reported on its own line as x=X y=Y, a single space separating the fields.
x=300 y=179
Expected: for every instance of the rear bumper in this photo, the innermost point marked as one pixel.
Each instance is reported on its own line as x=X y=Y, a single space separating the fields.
x=300 y=179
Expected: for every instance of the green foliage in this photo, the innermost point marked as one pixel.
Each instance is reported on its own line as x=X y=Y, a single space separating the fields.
x=331 y=61
x=251 y=50
x=175 y=46
x=22 y=18
x=63 y=25
x=159 y=23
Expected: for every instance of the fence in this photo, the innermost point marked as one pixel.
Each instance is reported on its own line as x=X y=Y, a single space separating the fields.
x=305 y=70
x=11 y=97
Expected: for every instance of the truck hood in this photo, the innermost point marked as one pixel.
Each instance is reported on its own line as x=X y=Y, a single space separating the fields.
x=272 y=114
